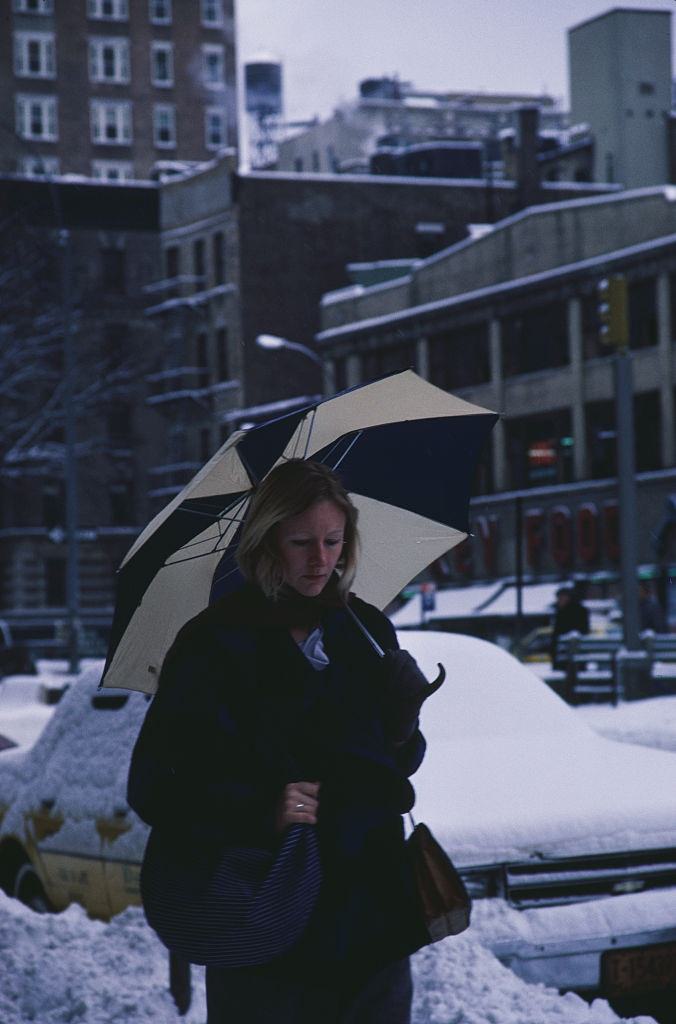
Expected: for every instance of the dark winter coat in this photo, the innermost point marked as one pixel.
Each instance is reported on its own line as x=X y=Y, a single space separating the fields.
x=239 y=713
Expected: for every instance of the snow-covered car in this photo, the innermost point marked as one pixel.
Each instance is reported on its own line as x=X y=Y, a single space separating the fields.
x=26 y=706
x=566 y=840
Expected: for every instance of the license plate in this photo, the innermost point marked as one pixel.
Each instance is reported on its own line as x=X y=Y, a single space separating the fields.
x=644 y=969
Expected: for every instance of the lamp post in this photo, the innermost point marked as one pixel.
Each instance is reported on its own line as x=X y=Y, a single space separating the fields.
x=272 y=341
x=632 y=662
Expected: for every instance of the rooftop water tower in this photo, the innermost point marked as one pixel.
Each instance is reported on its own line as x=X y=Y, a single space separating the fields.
x=263 y=104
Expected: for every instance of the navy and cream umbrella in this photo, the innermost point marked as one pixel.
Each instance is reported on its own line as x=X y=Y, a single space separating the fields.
x=406 y=452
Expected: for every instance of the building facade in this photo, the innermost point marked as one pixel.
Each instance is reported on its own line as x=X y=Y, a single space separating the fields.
x=115 y=89
x=153 y=300
x=299 y=232
x=620 y=85
x=510 y=321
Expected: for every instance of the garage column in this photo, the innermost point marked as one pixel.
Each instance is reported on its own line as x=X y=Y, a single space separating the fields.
x=575 y=355
x=665 y=356
x=353 y=371
x=498 y=383
x=422 y=358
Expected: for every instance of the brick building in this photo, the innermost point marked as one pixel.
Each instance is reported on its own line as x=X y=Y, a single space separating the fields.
x=154 y=291
x=115 y=89
x=300 y=231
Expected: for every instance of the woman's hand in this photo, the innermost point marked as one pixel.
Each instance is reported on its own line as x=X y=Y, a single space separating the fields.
x=298 y=804
x=405 y=690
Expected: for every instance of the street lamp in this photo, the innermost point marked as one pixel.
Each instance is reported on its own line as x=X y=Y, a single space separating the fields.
x=271 y=341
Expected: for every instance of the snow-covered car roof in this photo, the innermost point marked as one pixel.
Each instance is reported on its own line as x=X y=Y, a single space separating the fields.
x=512 y=771
x=23 y=710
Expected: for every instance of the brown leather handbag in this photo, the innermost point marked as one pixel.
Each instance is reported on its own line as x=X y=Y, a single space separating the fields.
x=445 y=904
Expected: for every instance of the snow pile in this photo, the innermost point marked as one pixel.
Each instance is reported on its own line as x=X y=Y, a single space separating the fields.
x=650 y=723
x=460 y=982
x=65 y=968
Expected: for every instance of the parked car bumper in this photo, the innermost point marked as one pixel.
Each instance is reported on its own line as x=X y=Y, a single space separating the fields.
x=568 y=949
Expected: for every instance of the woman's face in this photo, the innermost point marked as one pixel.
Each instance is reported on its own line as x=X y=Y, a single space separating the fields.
x=309 y=546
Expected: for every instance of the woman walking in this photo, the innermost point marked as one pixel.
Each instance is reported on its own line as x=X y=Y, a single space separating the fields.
x=273 y=710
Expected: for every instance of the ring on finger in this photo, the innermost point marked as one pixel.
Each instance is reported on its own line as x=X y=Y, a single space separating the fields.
x=300 y=807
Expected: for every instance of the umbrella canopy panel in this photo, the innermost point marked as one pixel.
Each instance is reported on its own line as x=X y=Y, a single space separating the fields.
x=405 y=451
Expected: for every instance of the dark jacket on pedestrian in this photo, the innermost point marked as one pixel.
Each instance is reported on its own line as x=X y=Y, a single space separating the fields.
x=569 y=617
x=240 y=712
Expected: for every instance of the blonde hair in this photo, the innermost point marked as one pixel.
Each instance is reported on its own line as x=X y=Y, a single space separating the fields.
x=287 y=491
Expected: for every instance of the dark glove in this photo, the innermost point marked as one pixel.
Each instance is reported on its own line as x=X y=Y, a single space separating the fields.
x=406 y=690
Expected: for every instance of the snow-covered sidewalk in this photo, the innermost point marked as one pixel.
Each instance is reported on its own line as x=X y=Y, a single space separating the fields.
x=66 y=968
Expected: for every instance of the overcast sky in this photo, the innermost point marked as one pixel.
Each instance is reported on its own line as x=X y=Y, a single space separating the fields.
x=328 y=46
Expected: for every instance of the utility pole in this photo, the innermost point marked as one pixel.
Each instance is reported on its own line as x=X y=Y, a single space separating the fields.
x=632 y=660
x=71 y=483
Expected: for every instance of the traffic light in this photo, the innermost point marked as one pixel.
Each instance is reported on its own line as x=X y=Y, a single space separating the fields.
x=612 y=311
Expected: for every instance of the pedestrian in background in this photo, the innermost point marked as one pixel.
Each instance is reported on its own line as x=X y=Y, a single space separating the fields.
x=570 y=614
x=650 y=611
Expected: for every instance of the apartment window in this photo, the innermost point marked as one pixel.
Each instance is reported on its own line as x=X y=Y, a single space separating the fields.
x=119 y=424
x=164 y=125
x=459 y=358
x=535 y=339
x=388 y=359
x=202 y=359
x=162 y=64
x=34 y=55
x=213 y=65
x=218 y=254
x=37 y=166
x=648 y=431
x=642 y=313
x=214 y=128
x=112 y=170
x=115 y=337
x=55 y=582
x=36 y=117
x=198 y=263
x=212 y=13
x=222 y=353
x=540 y=449
x=111 y=122
x=160 y=12
x=34 y=6
x=113 y=269
x=172 y=260
x=340 y=374
x=206 y=450
x=121 y=504
x=109 y=60
x=53 y=505
x=108 y=10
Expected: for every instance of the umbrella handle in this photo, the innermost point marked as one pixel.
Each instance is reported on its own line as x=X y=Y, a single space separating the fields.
x=371 y=639
x=434 y=686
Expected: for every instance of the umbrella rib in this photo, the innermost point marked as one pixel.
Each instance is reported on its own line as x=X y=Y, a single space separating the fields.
x=311 y=418
x=347 y=450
